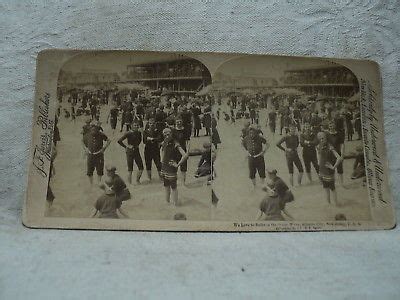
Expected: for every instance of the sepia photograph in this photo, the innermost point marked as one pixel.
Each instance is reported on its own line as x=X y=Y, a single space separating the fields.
x=292 y=141
x=207 y=142
x=132 y=127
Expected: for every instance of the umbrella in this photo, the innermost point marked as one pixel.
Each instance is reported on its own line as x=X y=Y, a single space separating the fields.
x=303 y=99
x=354 y=98
x=320 y=98
x=205 y=90
x=156 y=92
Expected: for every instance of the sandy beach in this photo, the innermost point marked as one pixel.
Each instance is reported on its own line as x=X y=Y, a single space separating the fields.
x=240 y=201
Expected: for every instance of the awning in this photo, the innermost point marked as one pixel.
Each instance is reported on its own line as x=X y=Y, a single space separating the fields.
x=287 y=91
x=90 y=87
x=248 y=92
x=131 y=86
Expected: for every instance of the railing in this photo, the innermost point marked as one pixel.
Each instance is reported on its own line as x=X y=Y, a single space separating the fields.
x=320 y=78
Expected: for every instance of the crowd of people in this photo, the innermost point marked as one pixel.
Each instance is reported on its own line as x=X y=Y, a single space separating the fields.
x=164 y=125
x=311 y=134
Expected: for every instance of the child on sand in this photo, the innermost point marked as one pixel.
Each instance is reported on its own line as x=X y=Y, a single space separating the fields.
x=204 y=165
x=270 y=208
x=108 y=204
x=359 y=164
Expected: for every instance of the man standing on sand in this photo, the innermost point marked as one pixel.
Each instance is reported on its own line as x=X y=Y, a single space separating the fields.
x=187 y=120
x=329 y=161
x=255 y=146
x=309 y=141
x=292 y=157
x=93 y=145
x=182 y=137
x=271 y=119
x=126 y=119
x=134 y=137
x=207 y=120
x=315 y=122
x=113 y=117
x=173 y=156
x=336 y=139
x=151 y=139
x=93 y=107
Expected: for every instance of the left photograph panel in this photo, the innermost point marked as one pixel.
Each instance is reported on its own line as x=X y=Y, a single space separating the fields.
x=131 y=138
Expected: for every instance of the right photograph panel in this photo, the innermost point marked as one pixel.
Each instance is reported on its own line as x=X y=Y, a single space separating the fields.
x=289 y=141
